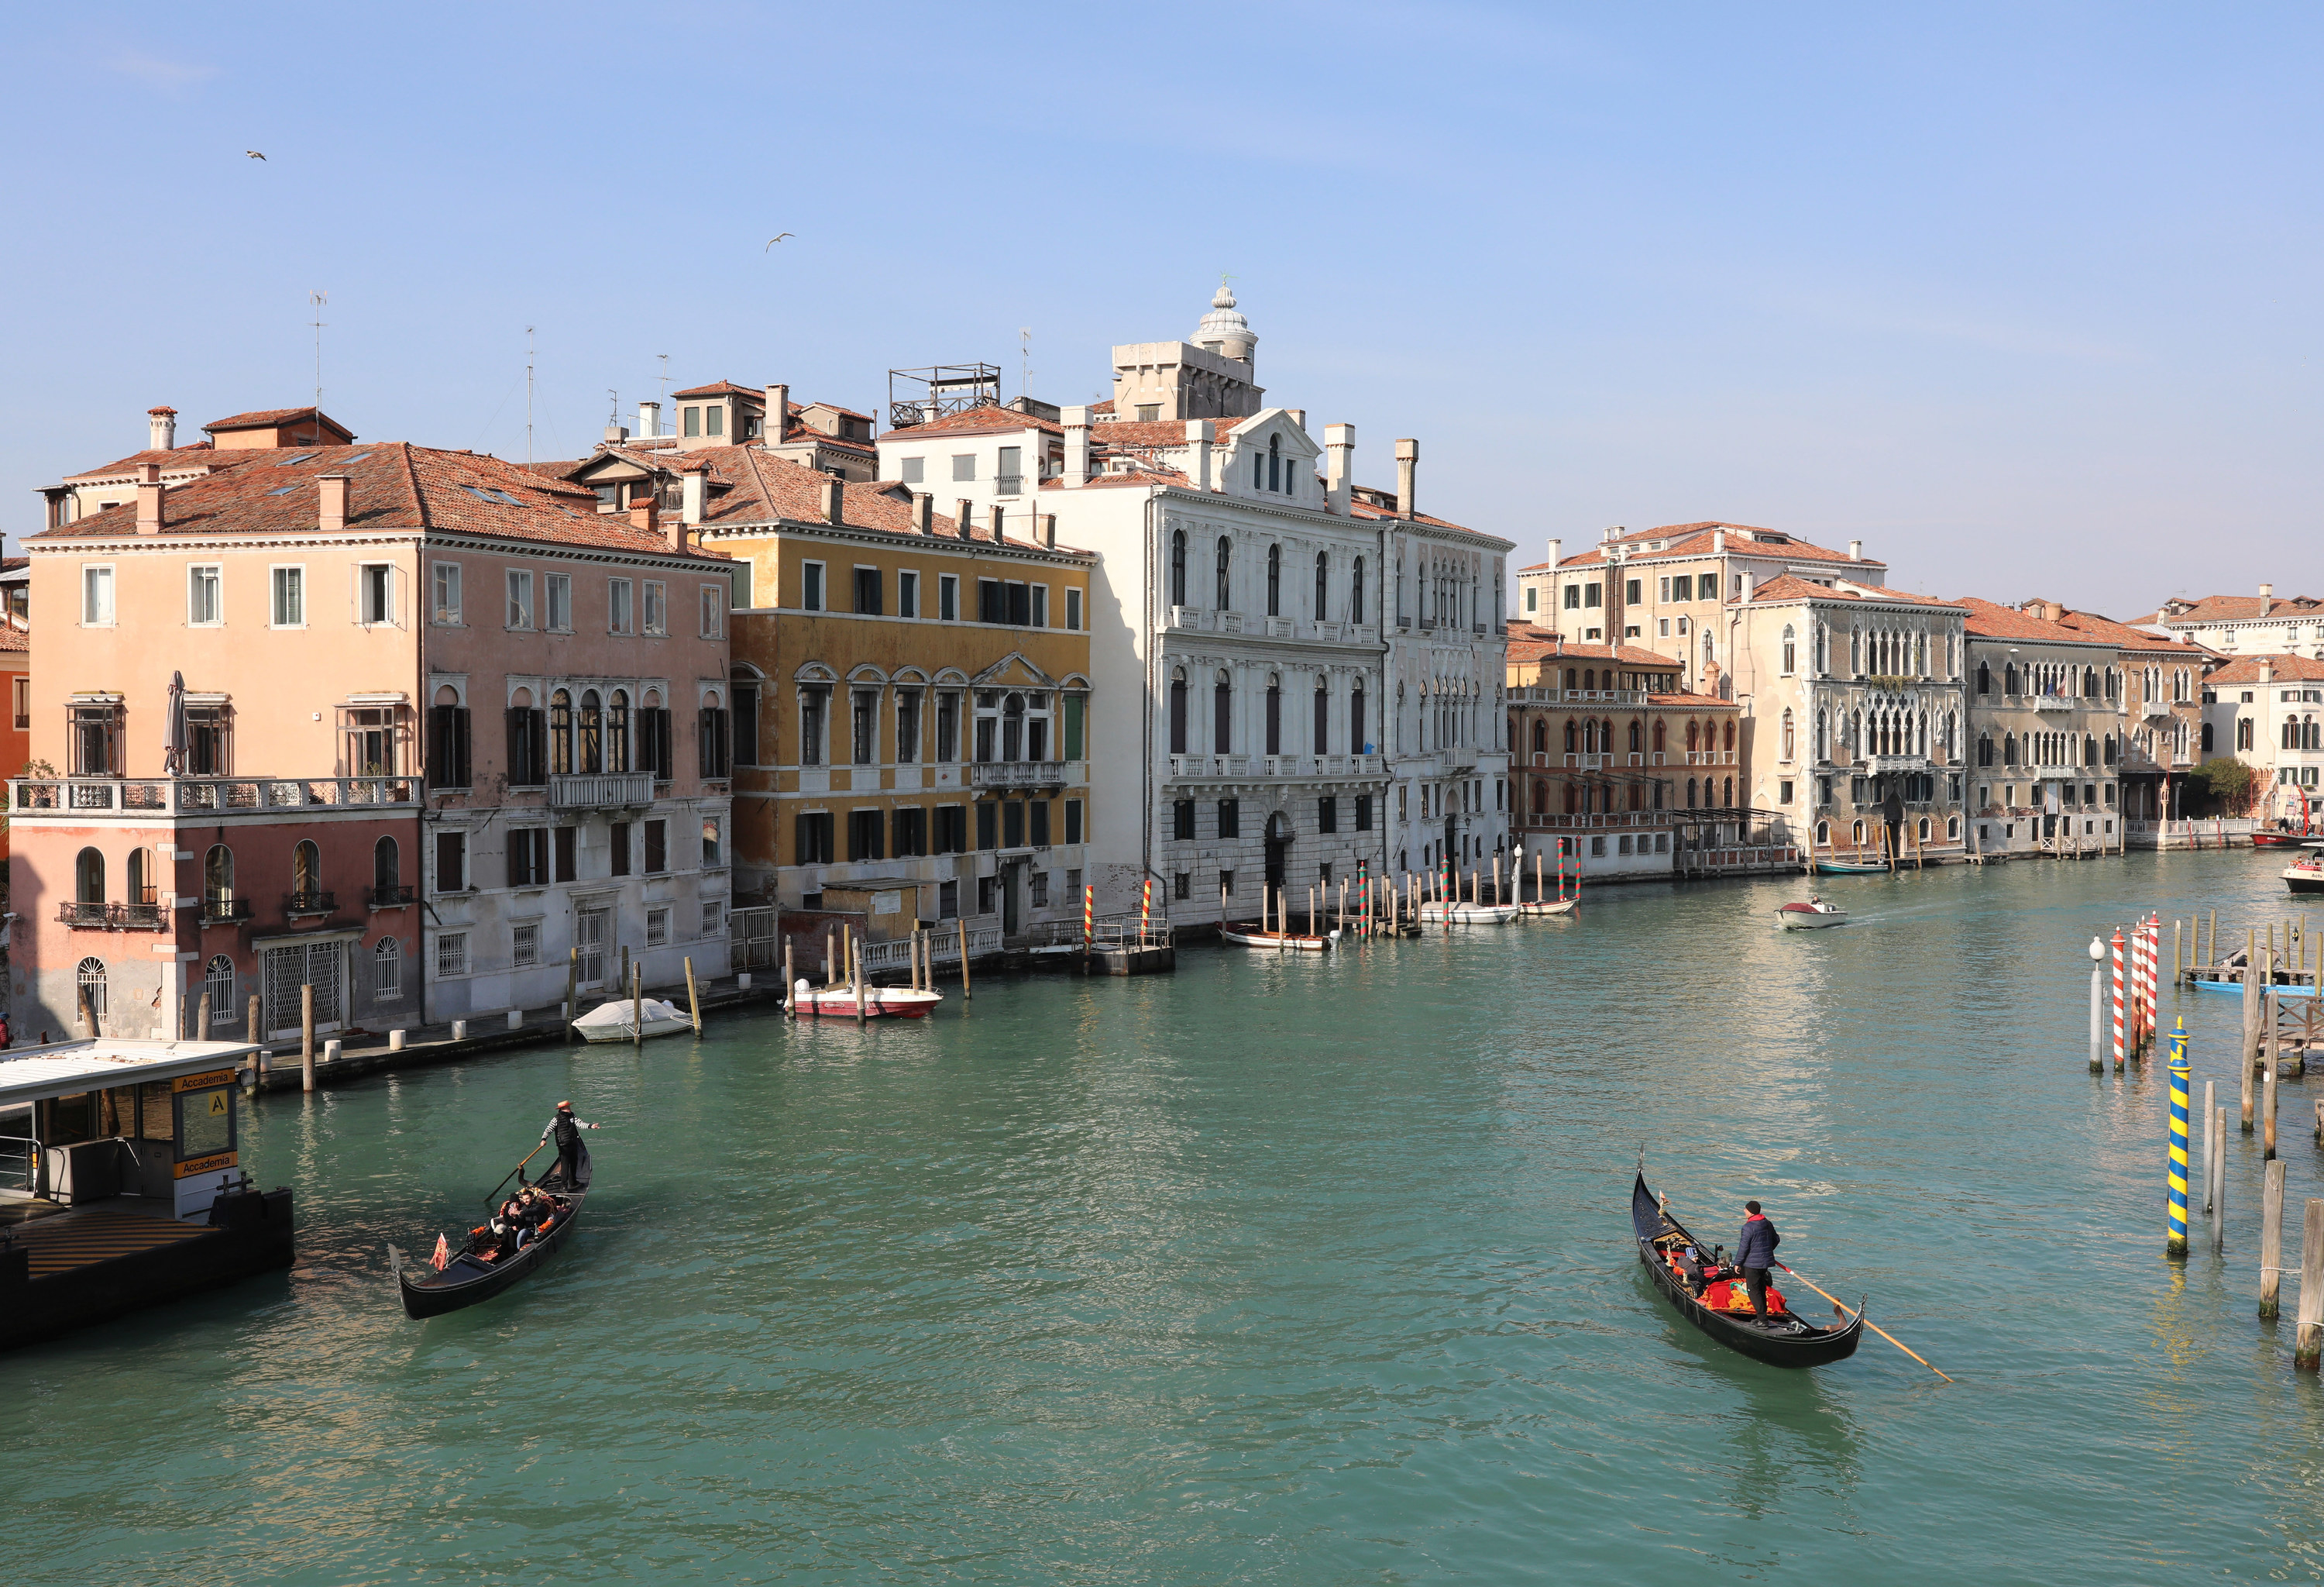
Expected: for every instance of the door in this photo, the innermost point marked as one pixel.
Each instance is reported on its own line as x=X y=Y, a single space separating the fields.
x=319 y=965
x=589 y=936
x=1009 y=918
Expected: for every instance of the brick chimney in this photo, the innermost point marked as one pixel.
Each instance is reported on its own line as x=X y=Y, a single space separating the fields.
x=999 y=518
x=161 y=428
x=834 y=499
x=1339 y=465
x=963 y=518
x=150 y=487
x=924 y=512
x=646 y=516
x=331 y=513
x=1408 y=468
x=1077 y=447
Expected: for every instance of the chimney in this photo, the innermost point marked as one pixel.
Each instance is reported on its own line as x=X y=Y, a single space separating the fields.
x=1050 y=530
x=963 y=518
x=1298 y=416
x=161 y=428
x=999 y=516
x=1719 y=542
x=2266 y=596
x=646 y=516
x=694 y=486
x=1200 y=435
x=924 y=512
x=1750 y=584
x=149 y=498
x=1339 y=465
x=1856 y=550
x=1407 y=465
x=834 y=499
x=1077 y=447
x=1556 y=551
x=649 y=420
x=2267 y=669
x=778 y=414
x=615 y=434
x=332 y=516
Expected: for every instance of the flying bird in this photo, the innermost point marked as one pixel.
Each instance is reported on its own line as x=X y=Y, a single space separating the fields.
x=773 y=241
x=253 y=153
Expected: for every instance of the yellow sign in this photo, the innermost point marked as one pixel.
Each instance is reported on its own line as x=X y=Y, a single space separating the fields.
x=219 y=1109
x=208 y=1165
x=203 y=1082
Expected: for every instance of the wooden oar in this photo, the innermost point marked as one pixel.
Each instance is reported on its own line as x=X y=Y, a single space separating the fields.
x=1869 y=1322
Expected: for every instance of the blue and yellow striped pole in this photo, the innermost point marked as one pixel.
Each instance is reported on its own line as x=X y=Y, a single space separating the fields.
x=2175 y=1245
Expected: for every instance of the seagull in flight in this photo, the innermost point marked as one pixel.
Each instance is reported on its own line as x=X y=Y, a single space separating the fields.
x=253 y=153
x=770 y=241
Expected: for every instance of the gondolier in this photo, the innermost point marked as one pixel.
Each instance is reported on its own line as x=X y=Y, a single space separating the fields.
x=567 y=1130
x=1755 y=1254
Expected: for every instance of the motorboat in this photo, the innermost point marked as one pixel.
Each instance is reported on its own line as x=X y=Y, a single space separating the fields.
x=1290 y=942
x=1444 y=914
x=838 y=1001
x=2307 y=875
x=1812 y=916
x=617 y=1020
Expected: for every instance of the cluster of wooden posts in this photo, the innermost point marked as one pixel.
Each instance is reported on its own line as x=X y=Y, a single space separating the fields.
x=1388 y=906
x=2308 y=1343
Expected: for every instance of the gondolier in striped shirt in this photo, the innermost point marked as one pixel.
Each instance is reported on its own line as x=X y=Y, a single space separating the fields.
x=1755 y=1253
x=567 y=1130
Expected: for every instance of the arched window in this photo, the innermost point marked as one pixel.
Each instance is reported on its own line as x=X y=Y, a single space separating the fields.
x=219 y=985
x=561 y=734
x=1693 y=737
x=1540 y=736
x=1275 y=462
x=1727 y=803
x=1540 y=797
x=1985 y=749
x=1856 y=650
x=1275 y=581
x=1791 y=650
x=1823 y=737
x=1661 y=733
x=1590 y=678
x=1730 y=737
x=1573 y=738
x=1223 y=715
x=1589 y=738
x=1924 y=829
x=1787 y=732
x=2009 y=677
x=1638 y=737
x=386 y=869
x=1953 y=826
x=1322 y=716
x=2009 y=749
x=593 y=732
x=1356 y=743
x=1013 y=727
x=1573 y=799
x=88 y=877
x=1356 y=593
x=1177 y=567
x=1323 y=587
x=1178 y=711
x=387 y=969
x=617 y=726
x=1224 y=552
x=217 y=878
x=1274 y=718
x=140 y=877
x=1691 y=791
x=306 y=873
x=1570 y=675
x=1637 y=796
x=89 y=977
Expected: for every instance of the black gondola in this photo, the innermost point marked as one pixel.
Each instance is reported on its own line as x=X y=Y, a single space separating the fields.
x=468 y=1278
x=1789 y=1342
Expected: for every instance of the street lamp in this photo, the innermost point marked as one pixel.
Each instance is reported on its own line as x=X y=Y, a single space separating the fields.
x=2097 y=958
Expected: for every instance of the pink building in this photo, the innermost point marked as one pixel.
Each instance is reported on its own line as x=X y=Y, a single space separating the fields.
x=444 y=721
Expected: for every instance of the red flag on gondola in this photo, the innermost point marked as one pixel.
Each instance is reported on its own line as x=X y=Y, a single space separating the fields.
x=442 y=1256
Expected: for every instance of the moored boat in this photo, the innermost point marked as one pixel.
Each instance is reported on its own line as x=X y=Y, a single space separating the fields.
x=1439 y=914
x=617 y=1020
x=1550 y=907
x=1847 y=867
x=2278 y=840
x=1812 y=916
x=491 y=1262
x=1278 y=941
x=2305 y=876
x=1712 y=1295
x=838 y=1002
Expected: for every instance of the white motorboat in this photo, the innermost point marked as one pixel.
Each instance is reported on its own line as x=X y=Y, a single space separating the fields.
x=838 y=1002
x=1277 y=941
x=616 y=1021
x=1467 y=914
x=1813 y=916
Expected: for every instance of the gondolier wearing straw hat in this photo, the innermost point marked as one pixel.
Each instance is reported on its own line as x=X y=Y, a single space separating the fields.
x=567 y=1130
x=1755 y=1253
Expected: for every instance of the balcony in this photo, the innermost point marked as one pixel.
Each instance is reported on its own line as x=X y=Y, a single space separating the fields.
x=1533 y=696
x=311 y=901
x=1017 y=774
x=112 y=917
x=387 y=898
x=606 y=790
x=35 y=799
x=1241 y=768
x=220 y=911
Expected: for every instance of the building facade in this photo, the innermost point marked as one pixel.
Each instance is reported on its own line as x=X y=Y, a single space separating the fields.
x=2047 y=722
x=2244 y=625
x=2268 y=712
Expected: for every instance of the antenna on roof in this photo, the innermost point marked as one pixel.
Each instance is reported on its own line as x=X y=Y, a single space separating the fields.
x=665 y=374
x=528 y=396
x=1025 y=361
x=614 y=417
x=315 y=302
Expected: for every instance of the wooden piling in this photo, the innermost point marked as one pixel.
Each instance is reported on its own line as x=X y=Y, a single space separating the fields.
x=572 y=993
x=830 y=959
x=251 y=1030
x=638 y=1007
x=2271 y=1240
x=2212 y=957
x=693 y=997
x=2247 y=1049
x=2178 y=960
x=624 y=981
x=2308 y=1343
x=790 y=993
x=202 y=1019
x=965 y=993
x=2268 y=1058
x=306 y=1035
x=2210 y=1106
x=2219 y=1182
x=855 y=970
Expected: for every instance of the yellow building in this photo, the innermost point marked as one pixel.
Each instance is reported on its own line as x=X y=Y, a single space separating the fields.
x=911 y=699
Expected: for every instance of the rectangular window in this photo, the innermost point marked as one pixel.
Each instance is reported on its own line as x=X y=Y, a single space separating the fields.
x=564 y=847
x=1012 y=825
x=947 y=727
x=527 y=856
x=694 y=421
x=991 y=606
x=911 y=831
x=908 y=595
x=714 y=917
x=948 y=900
x=985 y=894
x=96 y=597
x=811 y=586
x=1633 y=591
x=1706 y=587
x=951 y=829
x=657 y=847
x=288 y=606
x=947 y=598
x=1074 y=611
x=1327 y=814
x=1229 y=818
x=1533 y=596
x=1074 y=706
x=813 y=837
x=657 y=928
x=618 y=616
x=557 y=599
x=617 y=851
x=1040 y=605
x=1592 y=596
x=1020 y=606
x=912 y=470
x=524 y=944
x=715 y=418
x=22 y=687
x=375 y=582
x=1074 y=820
x=964 y=466
x=1008 y=478
x=446 y=588
x=656 y=608
x=520 y=600
x=1040 y=888
x=451 y=862
x=1039 y=814
x=1363 y=812
x=1574 y=597
x=1182 y=820
x=867 y=592
x=449 y=757
x=204 y=607
x=908 y=726
x=713 y=846
x=746 y=725
x=1661 y=588
x=988 y=825
x=96 y=740
x=452 y=954
x=714 y=612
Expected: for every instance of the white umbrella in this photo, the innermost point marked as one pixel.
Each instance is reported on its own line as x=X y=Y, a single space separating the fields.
x=173 y=753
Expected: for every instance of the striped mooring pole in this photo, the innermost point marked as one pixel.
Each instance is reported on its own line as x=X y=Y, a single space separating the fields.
x=2117 y=1000
x=1145 y=909
x=1089 y=917
x=2175 y=1243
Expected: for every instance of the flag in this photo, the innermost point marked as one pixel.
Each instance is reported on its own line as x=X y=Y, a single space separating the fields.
x=443 y=1254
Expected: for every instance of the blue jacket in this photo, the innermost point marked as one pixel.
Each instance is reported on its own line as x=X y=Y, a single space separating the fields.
x=1755 y=1246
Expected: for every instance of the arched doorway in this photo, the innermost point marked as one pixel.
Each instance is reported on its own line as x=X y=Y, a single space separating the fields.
x=1278 y=851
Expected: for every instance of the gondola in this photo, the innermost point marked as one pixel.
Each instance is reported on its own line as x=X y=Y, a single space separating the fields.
x=1663 y=1241
x=467 y=1278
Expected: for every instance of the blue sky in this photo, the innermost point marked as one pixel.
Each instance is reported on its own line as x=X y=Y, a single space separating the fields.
x=2023 y=297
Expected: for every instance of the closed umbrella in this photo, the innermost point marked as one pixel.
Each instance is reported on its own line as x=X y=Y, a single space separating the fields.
x=173 y=753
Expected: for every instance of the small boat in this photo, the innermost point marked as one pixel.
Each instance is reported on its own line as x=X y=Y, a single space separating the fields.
x=1278 y=941
x=2307 y=875
x=617 y=1020
x=1467 y=914
x=478 y=1270
x=1848 y=867
x=838 y=1002
x=1712 y=1295
x=2278 y=840
x=1550 y=907
x=1813 y=916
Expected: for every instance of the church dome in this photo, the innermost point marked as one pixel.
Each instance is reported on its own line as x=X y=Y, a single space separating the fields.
x=1225 y=330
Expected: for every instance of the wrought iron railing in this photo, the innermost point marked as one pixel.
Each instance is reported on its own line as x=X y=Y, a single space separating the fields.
x=222 y=908
x=309 y=901
x=387 y=898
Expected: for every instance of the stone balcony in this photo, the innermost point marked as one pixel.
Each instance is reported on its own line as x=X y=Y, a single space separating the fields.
x=78 y=799
x=1017 y=774
x=601 y=790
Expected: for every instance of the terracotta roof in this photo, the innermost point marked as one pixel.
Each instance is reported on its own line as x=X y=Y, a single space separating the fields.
x=261 y=417
x=834 y=408
x=2286 y=670
x=12 y=638
x=2238 y=609
x=555 y=470
x=2123 y=637
x=1150 y=432
x=1790 y=586
x=723 y=387
x=760 y=490
x=985 y=418
x=1693 y=539
x=1104 y=407
x=201 y=455
x=1529 y=641
x=1991 y=620
x=393 y=485
x=1695 y=702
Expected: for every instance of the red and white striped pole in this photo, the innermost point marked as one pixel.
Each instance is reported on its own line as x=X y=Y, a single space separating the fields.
x=2149 y=937
x=2117 y=999
x=1089 y=917
x=1145 y=910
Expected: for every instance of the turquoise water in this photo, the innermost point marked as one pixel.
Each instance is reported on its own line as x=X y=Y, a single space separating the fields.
x=1272 y=1271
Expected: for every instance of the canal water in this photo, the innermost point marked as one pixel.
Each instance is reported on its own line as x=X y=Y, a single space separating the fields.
x=1272 y=1271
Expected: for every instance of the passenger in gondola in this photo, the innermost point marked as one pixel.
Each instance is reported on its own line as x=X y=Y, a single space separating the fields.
x=567 y=1130
x=1755 y=1253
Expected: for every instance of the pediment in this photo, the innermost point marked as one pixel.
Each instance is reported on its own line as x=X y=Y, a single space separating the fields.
x=1013 y=671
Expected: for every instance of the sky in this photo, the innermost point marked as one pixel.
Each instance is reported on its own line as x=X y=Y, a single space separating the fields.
x=2025 y=297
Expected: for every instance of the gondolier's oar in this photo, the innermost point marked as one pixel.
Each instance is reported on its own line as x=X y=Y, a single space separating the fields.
x=1869 y=1322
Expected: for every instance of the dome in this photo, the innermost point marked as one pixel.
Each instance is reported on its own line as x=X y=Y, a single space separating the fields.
x=1225 y=330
